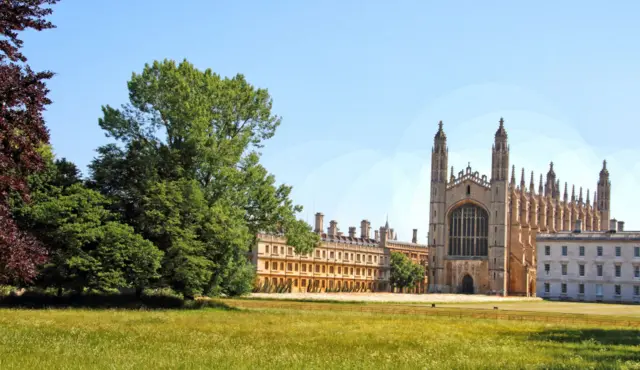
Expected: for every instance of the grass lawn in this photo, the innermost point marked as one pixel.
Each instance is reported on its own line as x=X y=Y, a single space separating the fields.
x=283 y=339
x=559 y=307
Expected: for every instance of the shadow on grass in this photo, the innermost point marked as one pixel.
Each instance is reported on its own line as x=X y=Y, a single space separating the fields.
x=603 y=348
x=607 y=337
x=33 y=300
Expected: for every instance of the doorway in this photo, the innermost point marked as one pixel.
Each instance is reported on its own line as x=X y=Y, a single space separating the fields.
x=467 y=284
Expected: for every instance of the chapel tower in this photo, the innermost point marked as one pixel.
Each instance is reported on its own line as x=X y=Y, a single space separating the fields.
x=498 y=211
x=439 y=161
x=604 y=197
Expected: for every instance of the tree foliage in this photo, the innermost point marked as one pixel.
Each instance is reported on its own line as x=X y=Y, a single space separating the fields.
x=404 y=273
x=23 y=97
x=186 y=174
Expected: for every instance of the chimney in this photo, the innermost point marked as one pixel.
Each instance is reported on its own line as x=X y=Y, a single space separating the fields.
x=578 y=228
x=612 y=225
x=392 y=234
x=384 y=236
x=376 y=236
x=352 y=232
x=365 y=225
x=620 y=225
x=333 y=229
x=319 y=222
x=414 y=240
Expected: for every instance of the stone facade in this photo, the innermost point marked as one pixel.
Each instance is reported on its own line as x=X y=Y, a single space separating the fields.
x=589 y=265
x=482 y=231
x=340 y=262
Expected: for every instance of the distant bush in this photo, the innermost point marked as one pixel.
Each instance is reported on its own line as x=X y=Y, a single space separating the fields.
x=40 y=299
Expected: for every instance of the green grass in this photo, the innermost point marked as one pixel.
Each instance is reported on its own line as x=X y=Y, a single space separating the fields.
x=284 y=339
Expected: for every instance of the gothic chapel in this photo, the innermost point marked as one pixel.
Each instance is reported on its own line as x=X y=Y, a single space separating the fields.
x=482 y=232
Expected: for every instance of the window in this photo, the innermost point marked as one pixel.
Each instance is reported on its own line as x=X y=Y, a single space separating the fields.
x=266 y=249
x=369 y=258
x=636 y=251
x=599 y=251
x=599 y=290
x=580 y=288
x=375 y=259
x=331 y=255
x=281 y=266
x=581 y=251
x=468 y=231
x=317 y=268
x=618 y=270
x=266 y=265
x=296 y=267
x=369 y=272
x=274 y=267
x=290 y=251
x=295 y=282
x=547 y=288
x=563 y=286
x=323 y=283
x=281 y=250
x=581 y=268
x=304 y=282
x=357 y=257
x=599 y=269
x=339 y=255
x=323 y=269
x=289 y=266
x=317 y=254
x=331 y=270
x=304 y=267
x=339 y=270
x=618 y=252
x=618 y=290
x=547 y=267
x=324 y=254
x=636 y=271
x=358 y=271
x=636 y=290
x=547 y=250
x=564 y=269
x=564 y=250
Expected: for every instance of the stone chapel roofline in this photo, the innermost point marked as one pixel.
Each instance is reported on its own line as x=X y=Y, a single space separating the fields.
x=468 y=174
x=384 y=236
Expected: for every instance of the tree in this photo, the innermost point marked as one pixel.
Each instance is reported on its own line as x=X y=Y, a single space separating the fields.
x=23 y=97
x=187 y=174
x=404 y=273
x=88 y=247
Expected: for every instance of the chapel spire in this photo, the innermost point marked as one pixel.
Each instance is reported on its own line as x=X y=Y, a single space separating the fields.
x=531 y=184
x=566 y=193
x=540 y=186
x=439 y=156
x=500 y=155
x=522 y=183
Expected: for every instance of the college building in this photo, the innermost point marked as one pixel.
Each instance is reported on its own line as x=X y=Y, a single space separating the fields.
x=341 y=263
x=584 y=265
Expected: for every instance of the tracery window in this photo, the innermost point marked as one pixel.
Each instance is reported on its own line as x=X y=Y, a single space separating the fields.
x=468 y=231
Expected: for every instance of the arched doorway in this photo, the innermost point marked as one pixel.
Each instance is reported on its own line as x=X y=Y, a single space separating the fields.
x=467 y=284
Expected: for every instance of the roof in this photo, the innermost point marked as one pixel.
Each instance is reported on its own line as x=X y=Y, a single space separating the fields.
x=591 y=235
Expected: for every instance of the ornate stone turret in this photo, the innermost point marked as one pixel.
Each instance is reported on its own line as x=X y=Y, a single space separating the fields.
x=500 y=155
x=566 y=194
x=604 y=197
x=531 y=185
x=439 y=156
x=522 y=183
x=549 y=189
x=540 y=186
x=513 y=178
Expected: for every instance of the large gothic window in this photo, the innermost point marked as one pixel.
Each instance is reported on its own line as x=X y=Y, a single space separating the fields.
x=468 y=231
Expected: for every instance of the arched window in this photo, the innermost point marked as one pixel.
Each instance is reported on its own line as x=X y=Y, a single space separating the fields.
x=468 y=231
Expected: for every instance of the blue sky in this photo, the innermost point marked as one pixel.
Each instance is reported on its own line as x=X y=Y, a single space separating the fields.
x=361 y=86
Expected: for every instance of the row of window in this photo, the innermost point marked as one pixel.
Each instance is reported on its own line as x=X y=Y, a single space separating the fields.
x=599 y=249
x=322 y=283
x=357 y=257
x=598 y=289
x=599 y=269
x=293 y=267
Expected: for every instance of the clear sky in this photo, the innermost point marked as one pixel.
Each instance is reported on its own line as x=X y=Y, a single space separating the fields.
x=361 y=86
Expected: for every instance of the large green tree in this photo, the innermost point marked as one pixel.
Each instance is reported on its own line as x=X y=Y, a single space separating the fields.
x=88 y=248
x=185 y=172
x=404 y=273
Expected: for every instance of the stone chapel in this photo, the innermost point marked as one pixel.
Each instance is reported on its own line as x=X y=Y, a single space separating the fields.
x=482 y=230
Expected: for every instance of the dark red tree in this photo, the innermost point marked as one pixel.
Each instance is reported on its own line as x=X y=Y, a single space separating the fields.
x=23 y=97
